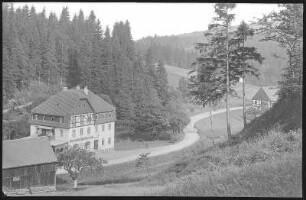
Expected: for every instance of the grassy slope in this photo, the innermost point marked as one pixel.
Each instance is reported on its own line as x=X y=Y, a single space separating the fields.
x=260 y=161
x=270 y=166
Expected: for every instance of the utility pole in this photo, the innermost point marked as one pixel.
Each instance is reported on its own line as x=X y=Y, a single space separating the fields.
x=227 y=82
x=62 y=64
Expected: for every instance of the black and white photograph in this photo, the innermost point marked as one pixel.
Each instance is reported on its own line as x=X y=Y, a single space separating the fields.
x=152 y=99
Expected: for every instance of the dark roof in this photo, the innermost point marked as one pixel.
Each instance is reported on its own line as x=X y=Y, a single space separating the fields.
x=26 y=152
x=62 y=103
x=271 y=92
x=261 y=95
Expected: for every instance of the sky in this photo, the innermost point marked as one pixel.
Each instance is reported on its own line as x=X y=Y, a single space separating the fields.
x=148 y=19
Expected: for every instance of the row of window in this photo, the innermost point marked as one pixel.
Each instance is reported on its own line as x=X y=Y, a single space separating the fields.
x=89 y=117
x=88 y=144
x=48 y=118
x=89 y=130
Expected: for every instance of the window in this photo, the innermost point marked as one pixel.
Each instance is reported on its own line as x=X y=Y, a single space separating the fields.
x=72 y=119
x=81 y=120
x=73 y=133
x=102 y=127
x=109 y=140
x=109 y=126
x=96 y=128
x=87 y=145
x=81 y=131
x=40 y=117
x=77 y=118
x=102 y=142
x=62 y=133
x=88 y=130
x=85 y=117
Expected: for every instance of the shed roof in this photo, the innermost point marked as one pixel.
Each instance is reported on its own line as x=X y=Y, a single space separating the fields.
x=63 y=103
x=26 y=152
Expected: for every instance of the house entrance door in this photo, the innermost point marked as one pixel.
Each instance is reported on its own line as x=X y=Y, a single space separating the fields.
x=96 y=144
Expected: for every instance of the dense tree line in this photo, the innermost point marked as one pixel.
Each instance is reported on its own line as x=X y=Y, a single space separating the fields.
x=59 y=51
x=167 y=49
x=270 y=69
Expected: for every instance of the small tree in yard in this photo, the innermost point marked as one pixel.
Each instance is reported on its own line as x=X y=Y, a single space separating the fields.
x=76 y=160
x=143 y=162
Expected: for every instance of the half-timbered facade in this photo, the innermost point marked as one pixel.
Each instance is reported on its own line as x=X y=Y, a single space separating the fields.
x=75 y=117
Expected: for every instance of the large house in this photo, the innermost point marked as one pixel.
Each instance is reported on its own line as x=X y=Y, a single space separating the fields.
x=75 y=117
x=24 y=169
x=264 y=98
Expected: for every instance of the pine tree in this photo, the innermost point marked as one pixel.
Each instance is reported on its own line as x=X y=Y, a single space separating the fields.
x=244 y=54
x=213 y=77
x=74 y=75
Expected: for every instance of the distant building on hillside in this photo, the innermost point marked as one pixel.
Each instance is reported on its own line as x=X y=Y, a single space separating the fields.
x=264 y=98
x=28 y=163
x=75 y=117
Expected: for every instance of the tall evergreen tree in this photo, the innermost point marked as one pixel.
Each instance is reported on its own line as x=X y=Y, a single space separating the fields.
x=244 y=54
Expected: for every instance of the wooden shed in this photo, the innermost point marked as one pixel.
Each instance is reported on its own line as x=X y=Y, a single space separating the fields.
x=28 y=164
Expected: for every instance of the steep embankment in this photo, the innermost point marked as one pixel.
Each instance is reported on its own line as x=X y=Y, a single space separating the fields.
x=265 y=159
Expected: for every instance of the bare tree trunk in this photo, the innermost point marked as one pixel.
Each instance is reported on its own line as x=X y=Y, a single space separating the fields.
x=243 y=101
x=211 y=127
x=243 y=94
x=39 y=78
x=75 y=184
x=227 y=86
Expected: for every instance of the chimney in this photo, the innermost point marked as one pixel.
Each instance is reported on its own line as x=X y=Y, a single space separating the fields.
x=77 y=87
x=65 y=88
x=86 y=90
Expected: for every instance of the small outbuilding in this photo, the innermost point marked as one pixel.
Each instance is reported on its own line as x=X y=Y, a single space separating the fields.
x=264 y=98
x=28 y=164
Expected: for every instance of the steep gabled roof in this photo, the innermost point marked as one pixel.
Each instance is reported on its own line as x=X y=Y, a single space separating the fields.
x=271 y=92
x=26 y=152
x=261 y=95
x=63 y=103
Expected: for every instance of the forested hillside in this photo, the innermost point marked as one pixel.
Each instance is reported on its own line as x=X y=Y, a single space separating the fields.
x=178 y=50
x=51 y=51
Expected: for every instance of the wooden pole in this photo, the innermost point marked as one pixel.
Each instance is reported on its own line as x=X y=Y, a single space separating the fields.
x=227 y=84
